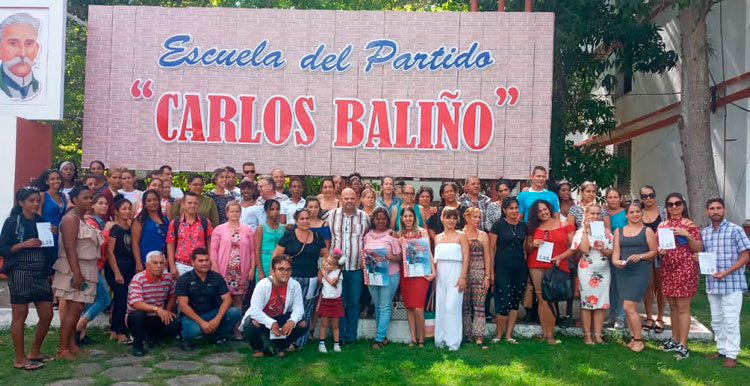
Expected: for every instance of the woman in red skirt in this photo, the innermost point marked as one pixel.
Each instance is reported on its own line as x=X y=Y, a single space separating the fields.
x=330 y=308
x=414 y=288
x=679 y=272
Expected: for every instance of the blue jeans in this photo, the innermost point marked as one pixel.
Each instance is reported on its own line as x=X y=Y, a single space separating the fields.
x=382 y=298
x=616 y=310
x=101 y=302
x=352 y=285
x=192 y=331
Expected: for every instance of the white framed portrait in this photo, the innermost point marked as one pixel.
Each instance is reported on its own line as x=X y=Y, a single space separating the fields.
x=32 y=58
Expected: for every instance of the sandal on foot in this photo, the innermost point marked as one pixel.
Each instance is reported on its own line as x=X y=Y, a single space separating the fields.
x=413 y=343
x=31 y=366
x=647 y=327
x=659 y=328
x=495 y=340
x=511 y=341
x=421 y=344
x=378 y=345
x=43 y=359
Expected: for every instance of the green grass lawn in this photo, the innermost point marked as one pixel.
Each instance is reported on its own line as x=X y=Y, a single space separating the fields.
x=529 y=363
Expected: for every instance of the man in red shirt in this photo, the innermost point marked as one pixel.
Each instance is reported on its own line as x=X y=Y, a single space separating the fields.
x=186 y=233
x=274 y=319
x=151 y=303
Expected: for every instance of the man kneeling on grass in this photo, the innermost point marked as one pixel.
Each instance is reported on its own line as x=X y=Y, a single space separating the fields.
x=205 y=302
x=272 y=322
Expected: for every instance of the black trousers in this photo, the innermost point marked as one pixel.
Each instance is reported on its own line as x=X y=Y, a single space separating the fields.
x=119 y=293
x=259 y=337
x=141 y=323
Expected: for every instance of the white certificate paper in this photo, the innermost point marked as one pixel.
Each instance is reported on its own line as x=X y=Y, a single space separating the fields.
x=597 y=231
x=416 y=270
x=707 y=262
x=545 y=252
x=273 y=336
x=375 y=279
x=666 y=238
x=45 y=234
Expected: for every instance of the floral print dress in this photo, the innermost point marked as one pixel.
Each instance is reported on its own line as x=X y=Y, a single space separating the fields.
x=593 y=274
x=236 y=283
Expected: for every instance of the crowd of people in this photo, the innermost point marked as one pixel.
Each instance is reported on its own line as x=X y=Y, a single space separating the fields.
x=259 y=261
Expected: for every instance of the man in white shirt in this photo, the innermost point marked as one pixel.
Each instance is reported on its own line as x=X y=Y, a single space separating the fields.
x=274 y=319
x=296 y=202
x=256 y=215
x=166 y=174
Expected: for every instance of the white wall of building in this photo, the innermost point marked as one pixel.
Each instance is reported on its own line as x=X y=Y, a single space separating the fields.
x=656 y=155
x=8 y=160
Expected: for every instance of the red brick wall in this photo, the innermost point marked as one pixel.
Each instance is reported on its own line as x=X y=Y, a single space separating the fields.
x=124 y=43
x=33 y=151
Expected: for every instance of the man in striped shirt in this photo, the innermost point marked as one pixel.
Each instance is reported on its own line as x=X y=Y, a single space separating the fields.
x=151 y=302
x=348 y=227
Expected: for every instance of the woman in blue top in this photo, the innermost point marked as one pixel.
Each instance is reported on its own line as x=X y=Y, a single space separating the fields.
x=410 y=196
x=53 y=204
x=388 y=198
x=615 y=217
x=149 y=230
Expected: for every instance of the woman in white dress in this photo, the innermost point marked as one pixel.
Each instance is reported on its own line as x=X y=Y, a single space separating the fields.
x=593 y=274
x=452 y=261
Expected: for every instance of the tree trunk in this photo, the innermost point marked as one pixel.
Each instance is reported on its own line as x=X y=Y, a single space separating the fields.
x=695 y=109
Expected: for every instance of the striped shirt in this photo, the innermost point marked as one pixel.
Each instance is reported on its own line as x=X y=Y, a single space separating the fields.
x=143 y=288
x=347 y=234
x=727 y=242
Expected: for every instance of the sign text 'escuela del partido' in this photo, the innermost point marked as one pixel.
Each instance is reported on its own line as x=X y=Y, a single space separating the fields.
x=441 y=95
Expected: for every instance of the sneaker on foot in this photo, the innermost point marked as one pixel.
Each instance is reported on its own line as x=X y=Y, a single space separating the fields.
x=322 y=349
x=681 y=352
x=336 y=348
x=669 y=345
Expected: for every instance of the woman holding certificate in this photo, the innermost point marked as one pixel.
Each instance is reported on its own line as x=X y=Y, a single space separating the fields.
x=414 y=288
x=380 y=240
x=635 y=247
x=27 y=265
x=594 y=277
x=679 y=238
x=547 y=245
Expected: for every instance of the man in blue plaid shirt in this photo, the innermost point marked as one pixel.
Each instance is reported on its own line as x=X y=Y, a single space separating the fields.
x=725 y=287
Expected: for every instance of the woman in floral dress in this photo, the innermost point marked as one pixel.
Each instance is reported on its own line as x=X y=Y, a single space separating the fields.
x=232 y=254
x=593 y=274
x=679 y=271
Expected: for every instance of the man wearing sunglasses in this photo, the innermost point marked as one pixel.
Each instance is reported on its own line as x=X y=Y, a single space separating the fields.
x=726 y=287
x=248 y=171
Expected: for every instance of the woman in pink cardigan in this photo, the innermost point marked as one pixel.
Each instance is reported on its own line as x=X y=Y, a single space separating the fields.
x=232 y=254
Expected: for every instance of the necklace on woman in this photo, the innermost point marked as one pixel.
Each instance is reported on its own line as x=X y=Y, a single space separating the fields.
x=513 y=230
x=379 y=235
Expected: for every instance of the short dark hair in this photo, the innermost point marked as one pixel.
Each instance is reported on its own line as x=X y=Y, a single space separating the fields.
x=247 y=184
x=715 y=199
x=162 y=168
x=193 y=176
x=353 y=175
x=538 y=167
x=425 y=188
x=449 y=212
x=230 y=169
x=156 y=173
x=198 y=251
x=276 y=260
x=269 y=203
x=248 y=164
x=191 y=194
x=94 y=176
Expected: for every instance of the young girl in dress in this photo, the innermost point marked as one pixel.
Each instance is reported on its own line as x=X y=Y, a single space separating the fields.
x=452 y=261
x=330 y=308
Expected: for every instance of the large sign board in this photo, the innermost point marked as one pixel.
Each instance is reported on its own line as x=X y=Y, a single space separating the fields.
x=413 y=94
x=32 y=58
